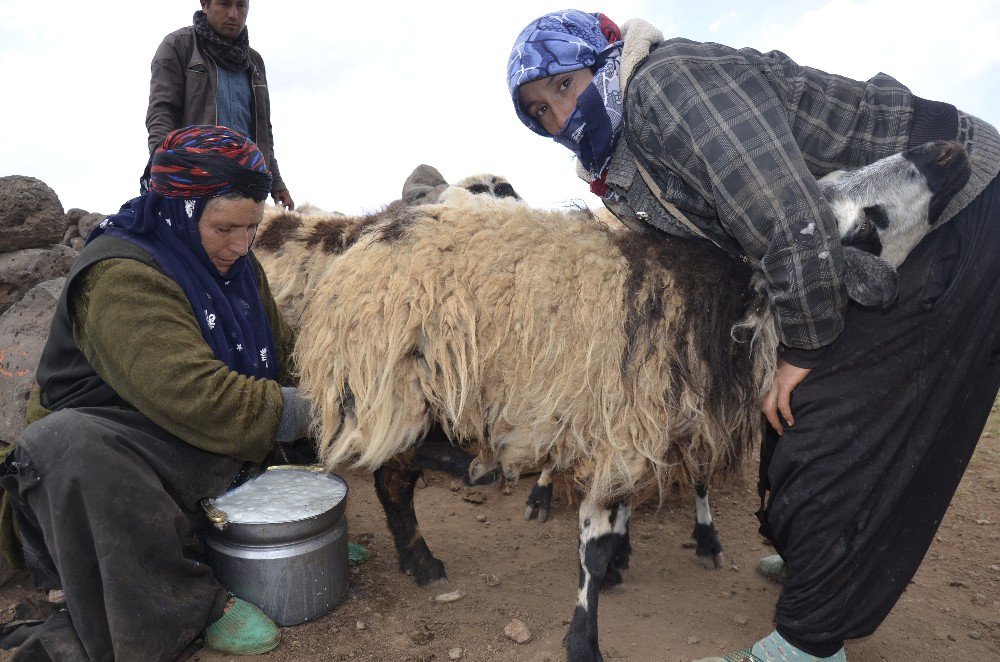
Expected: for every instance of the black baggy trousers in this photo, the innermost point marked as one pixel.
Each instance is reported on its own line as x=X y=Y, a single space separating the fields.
x=107 y=507
x=884 y=429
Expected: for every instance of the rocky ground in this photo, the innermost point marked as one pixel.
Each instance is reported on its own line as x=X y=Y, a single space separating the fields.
x=670 y=609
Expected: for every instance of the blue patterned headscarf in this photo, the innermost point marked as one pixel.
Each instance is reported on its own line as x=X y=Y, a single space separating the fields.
x=194 y=165
x=566 y=41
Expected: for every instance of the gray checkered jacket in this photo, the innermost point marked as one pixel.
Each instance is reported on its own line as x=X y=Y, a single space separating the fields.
x=735 y=139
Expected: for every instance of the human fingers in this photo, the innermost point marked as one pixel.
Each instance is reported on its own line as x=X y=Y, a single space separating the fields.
x=784 y=403
x=770 y=409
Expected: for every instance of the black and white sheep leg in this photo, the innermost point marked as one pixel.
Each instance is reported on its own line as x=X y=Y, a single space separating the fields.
x=619 y=560
x=540 y=498
x=394 y=483
x=603 y=533
x=709 y=547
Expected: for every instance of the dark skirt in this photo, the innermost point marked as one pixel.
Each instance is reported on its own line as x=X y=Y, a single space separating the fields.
x=884 y=429
x=107 y=506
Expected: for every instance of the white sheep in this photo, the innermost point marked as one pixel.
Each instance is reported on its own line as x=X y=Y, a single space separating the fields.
x=633 y=362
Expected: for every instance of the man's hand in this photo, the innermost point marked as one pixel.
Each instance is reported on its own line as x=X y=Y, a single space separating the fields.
x=779 y=397
x=284 y=198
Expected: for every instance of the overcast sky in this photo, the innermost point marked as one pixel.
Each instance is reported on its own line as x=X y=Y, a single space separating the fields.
x=364 y=91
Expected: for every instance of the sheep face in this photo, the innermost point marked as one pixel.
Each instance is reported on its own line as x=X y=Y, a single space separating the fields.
x=886 y=208
x=492 y=185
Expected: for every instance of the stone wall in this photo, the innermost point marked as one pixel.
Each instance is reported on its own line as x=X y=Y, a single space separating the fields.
x=38 y=245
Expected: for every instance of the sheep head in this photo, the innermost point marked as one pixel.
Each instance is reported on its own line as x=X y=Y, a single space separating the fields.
x=884 y=209
x=887 y=207
x=426 y=184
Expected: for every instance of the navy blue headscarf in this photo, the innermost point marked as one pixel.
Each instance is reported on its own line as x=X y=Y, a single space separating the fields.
x=566 y=41
x=190 y=167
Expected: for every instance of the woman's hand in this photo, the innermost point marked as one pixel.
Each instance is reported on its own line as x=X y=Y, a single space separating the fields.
x=779 y=397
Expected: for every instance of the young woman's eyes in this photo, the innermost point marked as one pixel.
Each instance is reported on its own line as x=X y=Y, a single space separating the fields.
x=540 y=111
x=565 y=83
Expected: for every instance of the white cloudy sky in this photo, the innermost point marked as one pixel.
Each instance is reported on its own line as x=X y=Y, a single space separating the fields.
x=363 y=91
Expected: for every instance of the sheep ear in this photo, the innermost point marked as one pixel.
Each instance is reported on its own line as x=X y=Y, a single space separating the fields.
x=421 y=182
x=870 y=280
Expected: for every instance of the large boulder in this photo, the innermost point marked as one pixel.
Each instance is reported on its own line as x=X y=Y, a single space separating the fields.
x=71 y=232
x=30 y=214
x=24 y=328
x=22 y=270
x=87 y=223
x=74 y=214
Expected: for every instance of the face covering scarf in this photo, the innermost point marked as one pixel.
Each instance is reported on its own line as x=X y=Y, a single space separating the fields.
x=567 y=41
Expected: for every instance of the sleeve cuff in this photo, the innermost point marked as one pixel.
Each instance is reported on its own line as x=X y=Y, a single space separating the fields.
x=803 y=358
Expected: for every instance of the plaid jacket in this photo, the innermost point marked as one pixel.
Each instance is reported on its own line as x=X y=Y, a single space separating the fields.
x=735 y=139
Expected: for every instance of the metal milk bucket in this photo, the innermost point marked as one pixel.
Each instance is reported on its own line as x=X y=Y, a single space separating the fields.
x=295 y=571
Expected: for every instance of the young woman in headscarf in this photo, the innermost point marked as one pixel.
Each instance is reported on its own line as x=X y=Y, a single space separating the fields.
x=160 y=384
x=702 y=140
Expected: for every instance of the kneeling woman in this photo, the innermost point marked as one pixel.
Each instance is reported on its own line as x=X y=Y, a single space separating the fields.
x=160 y=385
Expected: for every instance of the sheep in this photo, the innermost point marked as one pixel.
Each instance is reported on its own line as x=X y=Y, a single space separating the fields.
x=863 y=201
x=634 y=362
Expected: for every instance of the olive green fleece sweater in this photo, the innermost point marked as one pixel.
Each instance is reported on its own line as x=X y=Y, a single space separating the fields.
x=136 y=328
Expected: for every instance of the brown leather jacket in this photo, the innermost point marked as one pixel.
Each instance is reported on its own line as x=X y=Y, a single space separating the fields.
x=182 y=92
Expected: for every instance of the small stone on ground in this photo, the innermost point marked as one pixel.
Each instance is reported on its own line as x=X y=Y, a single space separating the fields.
x=517 y=631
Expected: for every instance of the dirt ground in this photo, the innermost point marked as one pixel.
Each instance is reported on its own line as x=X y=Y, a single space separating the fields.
x=670 y=609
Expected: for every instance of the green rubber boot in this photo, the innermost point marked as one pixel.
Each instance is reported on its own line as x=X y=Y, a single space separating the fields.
x=243 y=630
x=773 y=567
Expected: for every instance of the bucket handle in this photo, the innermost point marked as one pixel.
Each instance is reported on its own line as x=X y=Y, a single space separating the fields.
x=217 y=517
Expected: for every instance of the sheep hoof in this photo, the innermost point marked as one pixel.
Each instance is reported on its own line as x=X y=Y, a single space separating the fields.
x=477 y=470
x=539 y=501
x=713 y=562
x=442 y=585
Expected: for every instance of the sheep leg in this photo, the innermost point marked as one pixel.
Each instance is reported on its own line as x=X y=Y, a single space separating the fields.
x=619 y=562
x=541 y=497
x=602 y=532
x=394 y=483
x=709 y=547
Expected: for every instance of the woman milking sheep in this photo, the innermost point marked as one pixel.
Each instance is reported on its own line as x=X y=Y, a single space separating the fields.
x=166 y=378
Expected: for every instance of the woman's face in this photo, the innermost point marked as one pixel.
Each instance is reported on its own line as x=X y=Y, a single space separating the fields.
x=227 y=228
x=552 y=100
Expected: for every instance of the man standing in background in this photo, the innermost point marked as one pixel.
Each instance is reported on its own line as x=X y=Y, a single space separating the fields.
x=206 y=73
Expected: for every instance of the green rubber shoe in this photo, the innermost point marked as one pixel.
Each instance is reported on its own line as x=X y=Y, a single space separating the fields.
x=243 y=630
x=739 y=656
x=773 y=567
x=357 y=554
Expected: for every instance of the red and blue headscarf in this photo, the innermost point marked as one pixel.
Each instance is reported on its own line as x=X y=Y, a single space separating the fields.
x=566 y=41
x=186 y=170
